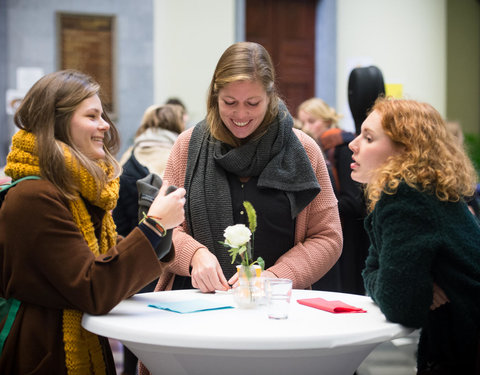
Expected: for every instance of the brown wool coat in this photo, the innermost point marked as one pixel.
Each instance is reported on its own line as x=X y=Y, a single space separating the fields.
x=47 y=265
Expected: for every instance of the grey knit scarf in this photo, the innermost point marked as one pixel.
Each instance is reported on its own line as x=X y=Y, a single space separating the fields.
x=278 y=159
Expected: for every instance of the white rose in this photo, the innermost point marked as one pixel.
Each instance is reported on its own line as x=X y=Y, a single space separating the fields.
x=237 y=235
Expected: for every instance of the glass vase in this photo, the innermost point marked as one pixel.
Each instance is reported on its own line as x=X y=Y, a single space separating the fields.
x=249 y=292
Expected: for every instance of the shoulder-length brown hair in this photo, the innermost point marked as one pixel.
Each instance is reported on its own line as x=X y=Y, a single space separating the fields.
x=432 y=160
x=47 y=110
x=243 y=61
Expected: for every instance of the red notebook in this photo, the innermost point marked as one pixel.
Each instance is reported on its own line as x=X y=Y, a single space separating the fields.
x=330 y=306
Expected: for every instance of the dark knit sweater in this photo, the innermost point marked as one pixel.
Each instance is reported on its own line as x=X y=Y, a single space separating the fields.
x=417 y=240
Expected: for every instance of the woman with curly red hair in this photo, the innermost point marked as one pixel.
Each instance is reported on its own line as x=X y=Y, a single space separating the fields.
x=423 y=267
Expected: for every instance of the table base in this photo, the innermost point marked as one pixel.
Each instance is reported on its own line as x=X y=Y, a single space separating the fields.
x=163 y=360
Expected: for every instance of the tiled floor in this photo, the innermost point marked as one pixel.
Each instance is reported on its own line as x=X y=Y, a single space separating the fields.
x=395 y=357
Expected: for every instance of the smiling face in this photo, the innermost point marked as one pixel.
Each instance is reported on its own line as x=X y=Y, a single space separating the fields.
x=371 y=149
x=242 y=106
x=88 y=128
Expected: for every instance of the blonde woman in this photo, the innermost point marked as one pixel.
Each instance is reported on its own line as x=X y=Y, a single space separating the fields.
x=321 y=122
x=423 y=267
x=317 y=117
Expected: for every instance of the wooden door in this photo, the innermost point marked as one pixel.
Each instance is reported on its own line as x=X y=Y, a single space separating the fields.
x=286 y=28
x=86 y=44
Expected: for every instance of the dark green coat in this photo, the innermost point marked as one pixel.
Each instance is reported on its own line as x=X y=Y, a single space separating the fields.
x=417 y=240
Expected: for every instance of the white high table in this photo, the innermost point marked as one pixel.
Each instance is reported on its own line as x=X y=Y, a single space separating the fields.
x=239 y=341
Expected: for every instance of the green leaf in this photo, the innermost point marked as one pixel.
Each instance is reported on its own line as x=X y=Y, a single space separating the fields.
x=261 y=263
x=252 y=216
x=233 y=253
x=242 y=249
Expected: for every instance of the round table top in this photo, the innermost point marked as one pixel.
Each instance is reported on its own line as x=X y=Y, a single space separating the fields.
x=306 y=328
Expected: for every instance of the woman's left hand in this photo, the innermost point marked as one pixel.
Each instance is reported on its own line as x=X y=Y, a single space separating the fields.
x=439 y=297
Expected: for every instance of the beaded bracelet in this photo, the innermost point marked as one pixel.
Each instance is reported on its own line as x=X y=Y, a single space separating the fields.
x=155 y=222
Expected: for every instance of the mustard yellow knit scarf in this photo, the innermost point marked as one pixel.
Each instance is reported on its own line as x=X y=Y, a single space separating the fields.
x=83 y=353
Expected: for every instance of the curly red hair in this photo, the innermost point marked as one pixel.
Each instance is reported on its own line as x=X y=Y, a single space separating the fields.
x=432 y=160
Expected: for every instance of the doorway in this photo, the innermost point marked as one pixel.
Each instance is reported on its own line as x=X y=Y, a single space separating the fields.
x=286 y=28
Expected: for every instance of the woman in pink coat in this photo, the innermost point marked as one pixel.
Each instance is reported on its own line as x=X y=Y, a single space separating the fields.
x=247 y=149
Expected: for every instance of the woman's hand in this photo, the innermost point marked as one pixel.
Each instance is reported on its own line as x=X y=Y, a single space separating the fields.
x=207 y=275
x=439 y=297
x=169 y=209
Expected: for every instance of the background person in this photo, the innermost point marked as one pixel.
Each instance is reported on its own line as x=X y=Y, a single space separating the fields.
x=321 y=122
x=179 y=102
x=59 y=251
x=158 y=131
x=423 y=267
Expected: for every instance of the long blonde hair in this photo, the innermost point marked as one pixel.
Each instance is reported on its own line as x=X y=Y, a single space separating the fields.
x=243 y=61
x=47 y=110
x=432 y=160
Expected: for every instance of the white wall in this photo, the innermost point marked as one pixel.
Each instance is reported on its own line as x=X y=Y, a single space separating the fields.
x=189 y=38
x=31 y=35
x=406 y=39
